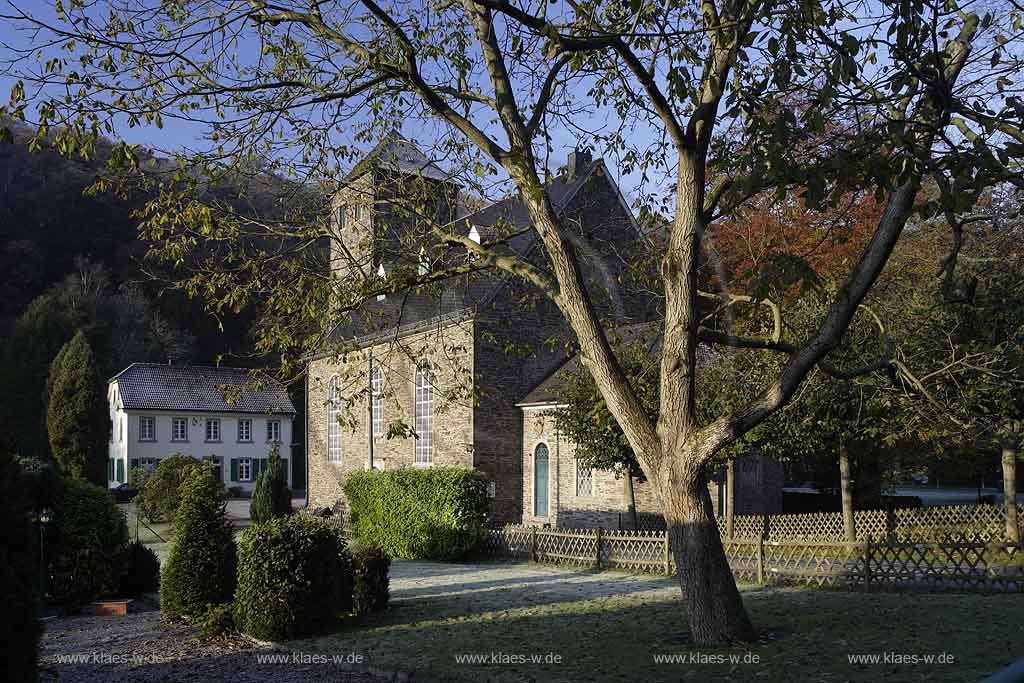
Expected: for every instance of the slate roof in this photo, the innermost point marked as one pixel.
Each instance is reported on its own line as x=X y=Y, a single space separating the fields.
x=397 y=153
x=152 y=386
x=464 y=294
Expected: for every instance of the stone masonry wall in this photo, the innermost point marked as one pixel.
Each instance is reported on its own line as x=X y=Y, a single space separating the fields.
x=449 y=349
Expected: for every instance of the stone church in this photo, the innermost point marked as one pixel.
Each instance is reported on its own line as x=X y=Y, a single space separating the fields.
x=440 y=376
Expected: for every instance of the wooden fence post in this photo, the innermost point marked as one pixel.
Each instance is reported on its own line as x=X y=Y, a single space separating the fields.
x=761 y=561
x=533 y=544
x=766 y=526
x=668 y=555
x=867 y=565
x=598 y=559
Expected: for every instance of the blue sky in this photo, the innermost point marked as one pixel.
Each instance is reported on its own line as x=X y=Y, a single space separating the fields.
x=176 y=134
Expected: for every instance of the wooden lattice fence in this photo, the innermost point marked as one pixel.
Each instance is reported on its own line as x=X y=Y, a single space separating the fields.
x=985 y=522
x=962 y=550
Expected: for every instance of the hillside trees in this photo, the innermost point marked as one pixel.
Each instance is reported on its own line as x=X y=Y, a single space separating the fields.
x=906 y=94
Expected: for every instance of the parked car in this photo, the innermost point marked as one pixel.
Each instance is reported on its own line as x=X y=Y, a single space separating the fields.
x=919 y=479
x=124 y=493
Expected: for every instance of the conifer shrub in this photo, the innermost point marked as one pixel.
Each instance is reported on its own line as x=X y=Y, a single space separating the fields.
x=294 y=578
x=271 y=496
x=200 y=567
x=436 y=513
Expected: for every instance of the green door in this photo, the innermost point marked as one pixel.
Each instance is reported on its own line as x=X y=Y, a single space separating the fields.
x=540 y=481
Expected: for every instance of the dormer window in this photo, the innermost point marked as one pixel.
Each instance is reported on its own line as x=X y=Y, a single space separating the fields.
x=382 y=274
x=357 y=212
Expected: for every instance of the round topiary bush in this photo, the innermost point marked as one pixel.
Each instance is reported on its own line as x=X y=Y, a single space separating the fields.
x=294 y=578
x=200 y=567
x=84 y=544
x=19 y=578
x=140 y=570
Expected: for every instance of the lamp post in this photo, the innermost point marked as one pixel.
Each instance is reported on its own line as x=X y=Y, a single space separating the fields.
x=42 y=518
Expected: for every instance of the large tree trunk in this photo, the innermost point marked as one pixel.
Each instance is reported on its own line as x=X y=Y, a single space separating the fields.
x=1010 y=490
x=713 y=605
x=849 y=527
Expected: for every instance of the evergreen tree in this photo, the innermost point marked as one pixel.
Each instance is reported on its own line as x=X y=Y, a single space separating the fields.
x=271 y=497
x=200 y=567
x=77 y=419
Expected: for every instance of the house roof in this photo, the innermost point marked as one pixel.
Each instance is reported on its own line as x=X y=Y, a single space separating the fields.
x=151 y=386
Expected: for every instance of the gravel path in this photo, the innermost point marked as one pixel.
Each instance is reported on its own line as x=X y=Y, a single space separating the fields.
x=139 y=647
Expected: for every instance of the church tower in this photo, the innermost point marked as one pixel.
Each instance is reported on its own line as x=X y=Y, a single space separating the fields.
x=385 y=209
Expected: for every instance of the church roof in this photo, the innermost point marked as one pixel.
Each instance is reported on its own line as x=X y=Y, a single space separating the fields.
x=396 y=153
x=152 y=386
x=455 y=297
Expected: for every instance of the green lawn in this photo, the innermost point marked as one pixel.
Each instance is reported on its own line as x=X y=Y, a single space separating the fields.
x=807 y=633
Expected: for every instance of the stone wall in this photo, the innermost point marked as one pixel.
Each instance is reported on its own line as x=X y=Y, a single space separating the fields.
x=607 y=503
x=449 y=349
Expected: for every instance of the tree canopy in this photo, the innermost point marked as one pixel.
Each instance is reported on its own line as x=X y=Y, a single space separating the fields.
x=715 y=103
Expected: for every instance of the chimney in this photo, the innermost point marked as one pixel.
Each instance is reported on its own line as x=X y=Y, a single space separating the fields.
x=579 y=159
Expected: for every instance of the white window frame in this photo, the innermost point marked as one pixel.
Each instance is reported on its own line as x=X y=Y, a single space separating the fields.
x=424 y=414
x=333 y=423
x=148 y=464
x=147 y=428
x=175 y=421
x=212 y=431
x=245 y=465
x=244 y=430
x=377 y=400
x=273 y=431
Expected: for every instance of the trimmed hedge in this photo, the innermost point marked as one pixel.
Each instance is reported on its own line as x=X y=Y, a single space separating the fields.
x=84 y=544
x=294 y=578
x=436 y=513
x=370 y=572
x=200 y=567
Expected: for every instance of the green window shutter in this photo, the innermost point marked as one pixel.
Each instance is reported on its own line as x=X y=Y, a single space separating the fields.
x=284 y=468
x=120 y=471
x=110 y=468
x=234 y=470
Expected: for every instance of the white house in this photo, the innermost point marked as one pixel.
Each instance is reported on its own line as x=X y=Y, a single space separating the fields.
x=210 y=413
